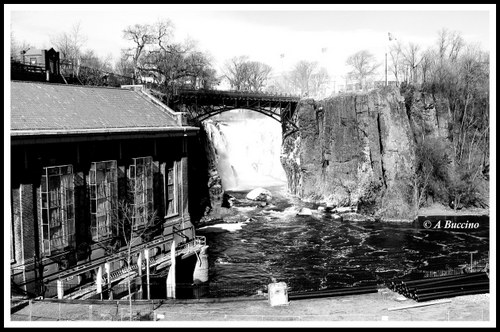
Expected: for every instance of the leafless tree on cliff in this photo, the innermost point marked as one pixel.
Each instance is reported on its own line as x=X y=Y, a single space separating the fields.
x=457 y=75
x=396 y=66
x=412 y=60
x=301 y=76
x=364 y=65
x=426 y=64
x=307 y=79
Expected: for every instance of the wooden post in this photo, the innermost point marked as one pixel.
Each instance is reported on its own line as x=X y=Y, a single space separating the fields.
x=31 y=308
x=146 y=255
x=98 y=281
x=171 y=273
x=60 y=289
x=107 y=270
x=139 y=273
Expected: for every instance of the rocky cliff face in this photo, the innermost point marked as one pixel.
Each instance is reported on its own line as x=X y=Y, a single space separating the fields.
x=205 y=190
x=429 y=116
x=354 y=150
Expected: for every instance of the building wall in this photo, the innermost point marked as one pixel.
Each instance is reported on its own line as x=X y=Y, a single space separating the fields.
x=30 y=267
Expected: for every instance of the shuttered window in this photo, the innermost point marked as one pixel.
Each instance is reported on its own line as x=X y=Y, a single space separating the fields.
x=58 y=209
x=141 y=183
x=172 y=189
x=103 y=185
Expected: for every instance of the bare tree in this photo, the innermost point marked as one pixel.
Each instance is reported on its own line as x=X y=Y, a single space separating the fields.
x=301 y=75
x=236 y=72
x=364 y=65
x=141 y=35
x=449 y=44
x=459 y=74
x=133 y=222
x=170 y=64
x=426 y=64
x=396 y=54
x=412 y=60
x=319 y=80
x=90 y=59
x=243 y=74
x=17 y=49
x=70 y=46
x=258 y=74
x=124 y=66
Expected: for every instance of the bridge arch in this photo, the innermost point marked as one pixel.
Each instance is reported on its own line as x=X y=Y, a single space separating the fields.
x=203 y=104
x=216 y=111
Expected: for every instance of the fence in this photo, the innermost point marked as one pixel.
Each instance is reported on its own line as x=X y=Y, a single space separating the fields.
x=157 y=286
x=158 y=290
x=235 y=311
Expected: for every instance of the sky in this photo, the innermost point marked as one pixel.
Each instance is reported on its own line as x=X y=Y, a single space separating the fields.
x=327 y=34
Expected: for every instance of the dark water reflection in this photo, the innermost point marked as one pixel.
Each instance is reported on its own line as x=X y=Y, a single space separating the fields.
x=314 y=252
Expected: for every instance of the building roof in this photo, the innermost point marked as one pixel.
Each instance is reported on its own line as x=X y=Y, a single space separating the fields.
x=38 y=108
x=33 y=51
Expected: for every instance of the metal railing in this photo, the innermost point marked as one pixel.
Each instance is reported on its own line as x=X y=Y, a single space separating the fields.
x=18 y=66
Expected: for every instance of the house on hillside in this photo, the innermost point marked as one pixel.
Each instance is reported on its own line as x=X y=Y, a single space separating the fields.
x=76 y=153
x=37 y=65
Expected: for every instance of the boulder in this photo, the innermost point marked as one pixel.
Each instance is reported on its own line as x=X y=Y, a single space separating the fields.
x=344 y=209
x=260 y=194
x=336 y=217
x=305 y=212
x=227 y=200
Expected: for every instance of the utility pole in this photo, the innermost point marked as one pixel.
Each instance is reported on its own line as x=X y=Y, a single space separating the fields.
x=386 y=66
x=391 y=37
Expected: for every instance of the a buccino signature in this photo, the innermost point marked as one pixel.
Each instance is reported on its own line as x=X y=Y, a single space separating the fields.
x=448 y=224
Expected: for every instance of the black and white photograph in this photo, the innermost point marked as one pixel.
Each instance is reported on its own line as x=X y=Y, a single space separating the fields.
x=249 y=165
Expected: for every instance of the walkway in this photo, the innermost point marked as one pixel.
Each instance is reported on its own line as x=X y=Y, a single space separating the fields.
x=257 y=311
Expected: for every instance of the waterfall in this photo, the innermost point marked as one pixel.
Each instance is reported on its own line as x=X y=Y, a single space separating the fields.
x=247 y=147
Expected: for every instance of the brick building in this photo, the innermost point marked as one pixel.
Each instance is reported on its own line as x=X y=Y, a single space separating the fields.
x=77 y=153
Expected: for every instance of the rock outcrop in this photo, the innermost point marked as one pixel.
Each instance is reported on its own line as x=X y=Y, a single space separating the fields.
x=353 y=150
x=259 y=194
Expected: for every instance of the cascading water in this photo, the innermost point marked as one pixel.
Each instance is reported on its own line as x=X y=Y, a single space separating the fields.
x=248 y=150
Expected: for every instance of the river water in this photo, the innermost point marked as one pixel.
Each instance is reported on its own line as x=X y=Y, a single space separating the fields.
x=256 y=245
x=262 y=244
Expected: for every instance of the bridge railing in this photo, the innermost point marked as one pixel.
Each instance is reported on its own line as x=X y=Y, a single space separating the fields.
x=236 y=93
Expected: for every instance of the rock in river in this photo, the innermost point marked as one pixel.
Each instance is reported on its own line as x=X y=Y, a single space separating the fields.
x=260 y=194
x=305 y=212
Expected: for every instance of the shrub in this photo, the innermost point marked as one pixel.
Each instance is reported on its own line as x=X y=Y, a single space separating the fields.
x=432 y=170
